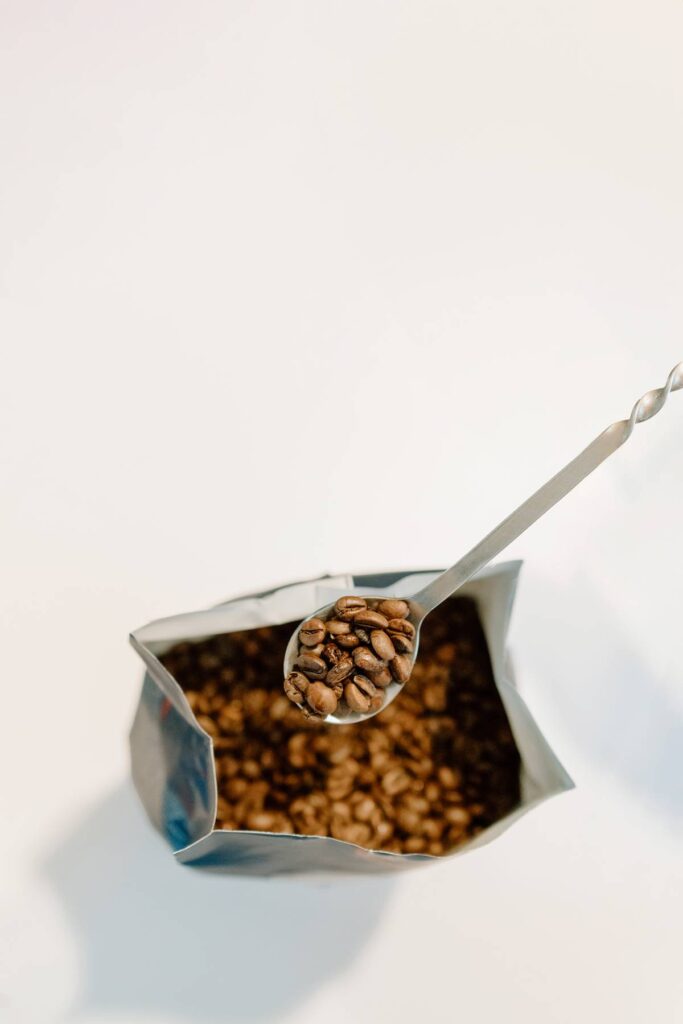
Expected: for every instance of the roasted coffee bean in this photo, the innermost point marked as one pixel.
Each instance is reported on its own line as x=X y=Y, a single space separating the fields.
x=449 y=777
x=332 y=653
x=312 y=665
x=261 y=821
x=365 y=660
x=321 y=699
x=408 y=821
x=368 y=617
x=395 y=781
x=445 y=654
x=335 y=627
x=341 y=780
x=446 y=773
x=416 y=803
x=296 y=685
x=365 y=809
x=382 y=645
x=401 y=626
x=376 y=702
x=354 y=832
x=433 y=828
x=337 y=688
x=382 y=678
x=457 y=816
x=402 y=643
x=400 y=668
x=359 y=693
x=355 y=699
x=435 y=696
x=346 y=607
x=383 y=833
x=348 y=640
x=343 y=668
x=362 y=634
x=393 y=609
x=312 y=632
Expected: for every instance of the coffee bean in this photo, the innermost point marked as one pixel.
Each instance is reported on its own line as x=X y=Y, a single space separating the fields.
x=346 y=607
x=401 y=626
x=347 y=640
x=393 y=609
x=356 y=699
x=343 y=668
x=402 y=643
x=296 y=685
x=354 y=832
x=321 y=699
x=335 y=627
x=331 y=653
x=445 y=654
x=251 y=768
x=400 y=668
x=312 y=632
x=383 y=646
x=382 y=678
x=312 y=665
x=340 y=781
x=352 y=603
x=383 y=834
x=432 y=828
x=435 y=696
x=457 y=816
x=416 y=803
x=366 y=660
x=365 y=809
x=408 y=820
x=449 y=777
x=362 y=634
x=376 y=702
x=365 y=685
x=337 y=688
x=395 y=781
x=261 y=821
x=370 y=618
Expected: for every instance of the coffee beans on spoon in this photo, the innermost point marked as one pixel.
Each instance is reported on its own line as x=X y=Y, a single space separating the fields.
x=345 y=662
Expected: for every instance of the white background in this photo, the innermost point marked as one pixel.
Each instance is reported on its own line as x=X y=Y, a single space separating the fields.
x=295 y=287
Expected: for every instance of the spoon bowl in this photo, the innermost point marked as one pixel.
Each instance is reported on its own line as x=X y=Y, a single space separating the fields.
x=344 y=715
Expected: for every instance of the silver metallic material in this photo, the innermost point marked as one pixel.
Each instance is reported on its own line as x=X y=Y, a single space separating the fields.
x=423 y=602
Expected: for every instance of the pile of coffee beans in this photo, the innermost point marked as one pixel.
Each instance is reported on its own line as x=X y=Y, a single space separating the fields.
x=426 y=774
x=346 y=661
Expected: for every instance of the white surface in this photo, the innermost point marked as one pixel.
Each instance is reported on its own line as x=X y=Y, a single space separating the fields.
x=239 y=242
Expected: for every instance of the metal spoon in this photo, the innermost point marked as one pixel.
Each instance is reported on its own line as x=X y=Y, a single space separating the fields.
x=422 y=603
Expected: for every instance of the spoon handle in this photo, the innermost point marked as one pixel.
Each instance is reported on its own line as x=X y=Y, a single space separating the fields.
x=546 y=496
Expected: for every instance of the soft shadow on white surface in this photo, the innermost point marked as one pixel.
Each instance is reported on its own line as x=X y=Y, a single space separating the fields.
x=171 y=942
x=607 y=698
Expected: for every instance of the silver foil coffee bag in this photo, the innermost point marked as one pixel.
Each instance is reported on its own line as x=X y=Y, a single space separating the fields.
x=172 y=757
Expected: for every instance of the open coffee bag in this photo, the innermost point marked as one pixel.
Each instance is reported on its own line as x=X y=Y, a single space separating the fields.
x=237 y=782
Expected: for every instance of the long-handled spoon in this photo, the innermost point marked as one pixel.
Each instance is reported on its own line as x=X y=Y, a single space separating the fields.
x=422 y=603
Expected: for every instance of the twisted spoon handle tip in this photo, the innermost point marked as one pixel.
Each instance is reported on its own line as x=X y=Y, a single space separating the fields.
x=548 y=495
